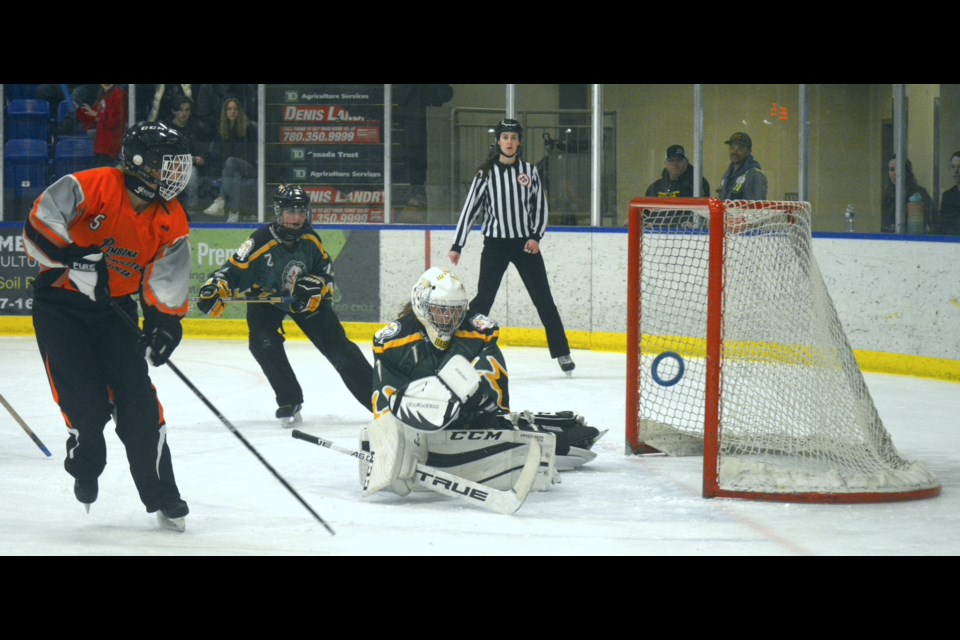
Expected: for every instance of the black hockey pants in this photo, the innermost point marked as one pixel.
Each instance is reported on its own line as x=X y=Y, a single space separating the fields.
x=324 y=330
x=92 y=361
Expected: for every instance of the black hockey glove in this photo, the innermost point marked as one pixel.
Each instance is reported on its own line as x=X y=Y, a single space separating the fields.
x=161 y=335
x=211 y=296
x=308 y=293
x=88 y=271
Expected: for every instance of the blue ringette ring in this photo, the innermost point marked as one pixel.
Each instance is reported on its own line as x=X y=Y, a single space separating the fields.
x=656 y=363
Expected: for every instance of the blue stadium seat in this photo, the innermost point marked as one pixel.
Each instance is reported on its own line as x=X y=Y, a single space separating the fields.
x=72 y=155
x=19 y=91
x=28 y=120
x=26 y=173
x=64 y=109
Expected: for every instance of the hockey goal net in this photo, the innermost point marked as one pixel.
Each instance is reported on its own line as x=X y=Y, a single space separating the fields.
x=735 y=352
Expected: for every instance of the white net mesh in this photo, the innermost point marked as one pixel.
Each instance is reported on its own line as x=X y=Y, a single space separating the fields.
x=795 y=414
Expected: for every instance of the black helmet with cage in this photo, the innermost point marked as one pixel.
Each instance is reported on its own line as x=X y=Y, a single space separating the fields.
x=290 y=197
x=156 y=158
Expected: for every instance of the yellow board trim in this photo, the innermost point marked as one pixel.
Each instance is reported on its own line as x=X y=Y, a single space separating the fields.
x=363 y=332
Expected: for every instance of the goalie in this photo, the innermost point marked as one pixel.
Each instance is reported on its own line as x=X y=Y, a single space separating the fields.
x=441 y=398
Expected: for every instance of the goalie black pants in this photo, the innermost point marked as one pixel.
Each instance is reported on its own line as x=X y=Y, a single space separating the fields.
x=497 y=255
x=93 y=364
x=324 y=330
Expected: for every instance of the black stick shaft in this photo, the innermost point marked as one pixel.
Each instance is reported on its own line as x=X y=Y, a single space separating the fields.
x=232 y=428
x=33 y=436
x=273 y=300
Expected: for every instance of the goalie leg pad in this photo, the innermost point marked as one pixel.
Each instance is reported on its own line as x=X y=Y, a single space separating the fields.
x=574 y=437
x=494 y=457
x=397 y=450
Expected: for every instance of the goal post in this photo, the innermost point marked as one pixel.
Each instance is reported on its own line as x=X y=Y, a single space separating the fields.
x=735 y=352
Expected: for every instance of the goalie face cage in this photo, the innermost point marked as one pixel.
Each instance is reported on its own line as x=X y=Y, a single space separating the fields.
x=735 y=351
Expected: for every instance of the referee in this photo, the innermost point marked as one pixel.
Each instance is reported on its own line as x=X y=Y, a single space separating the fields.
x=509 y=195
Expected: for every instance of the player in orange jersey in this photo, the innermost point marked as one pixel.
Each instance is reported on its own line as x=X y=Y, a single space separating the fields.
x=100 y=237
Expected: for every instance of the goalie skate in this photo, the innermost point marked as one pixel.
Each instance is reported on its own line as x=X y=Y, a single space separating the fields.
x=574 y=437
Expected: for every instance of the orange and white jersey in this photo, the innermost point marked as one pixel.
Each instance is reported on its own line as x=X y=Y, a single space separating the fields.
x=147 y=252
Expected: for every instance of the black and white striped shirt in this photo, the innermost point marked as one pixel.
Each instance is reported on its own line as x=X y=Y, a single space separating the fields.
x=512 y=201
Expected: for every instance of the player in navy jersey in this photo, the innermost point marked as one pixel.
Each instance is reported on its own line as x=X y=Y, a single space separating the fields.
x=287 y=259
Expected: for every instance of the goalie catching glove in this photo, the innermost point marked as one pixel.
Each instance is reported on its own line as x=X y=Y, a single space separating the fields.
x=211 y=296
x=434 y=402
x=309 y=292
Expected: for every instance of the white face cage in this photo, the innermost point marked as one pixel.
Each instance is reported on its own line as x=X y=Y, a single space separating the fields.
x=440 y=304
x=445 y=318
x=175 y=174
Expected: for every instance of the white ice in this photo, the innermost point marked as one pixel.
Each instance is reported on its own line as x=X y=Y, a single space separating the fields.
x=616 y=505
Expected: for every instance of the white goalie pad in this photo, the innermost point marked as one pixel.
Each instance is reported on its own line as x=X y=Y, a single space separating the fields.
x=397 y=449
x=493 y=457
x=574 y=437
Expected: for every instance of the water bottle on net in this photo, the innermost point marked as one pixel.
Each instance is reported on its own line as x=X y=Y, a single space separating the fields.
x=849 y=216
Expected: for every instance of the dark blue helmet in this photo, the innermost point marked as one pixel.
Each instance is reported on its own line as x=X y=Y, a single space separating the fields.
x=290 y=197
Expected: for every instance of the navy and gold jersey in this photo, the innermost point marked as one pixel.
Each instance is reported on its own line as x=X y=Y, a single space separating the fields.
x=265 y=266
x=402 y=353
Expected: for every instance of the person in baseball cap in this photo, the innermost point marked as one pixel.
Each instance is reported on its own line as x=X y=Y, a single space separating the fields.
x=741 y=139
x=676 y=151
x=743 y=179
x=676 y=180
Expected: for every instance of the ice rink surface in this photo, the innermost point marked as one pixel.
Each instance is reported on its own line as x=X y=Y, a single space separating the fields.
x=616 y=505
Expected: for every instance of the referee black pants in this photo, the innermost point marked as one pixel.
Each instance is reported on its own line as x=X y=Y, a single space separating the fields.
x=497 y=254
x=324 y=330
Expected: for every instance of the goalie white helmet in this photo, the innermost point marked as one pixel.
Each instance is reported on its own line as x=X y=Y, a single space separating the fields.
x=440 y=303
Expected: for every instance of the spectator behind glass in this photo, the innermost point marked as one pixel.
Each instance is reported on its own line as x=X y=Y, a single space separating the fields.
x=888 y=206
x=198 y=138
x=208 y=101
x=109 y=118
x=949 y=223
x=676 y=180
x=163 y=97
x=743 y=179
x=235 y=154
x=76 y=94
